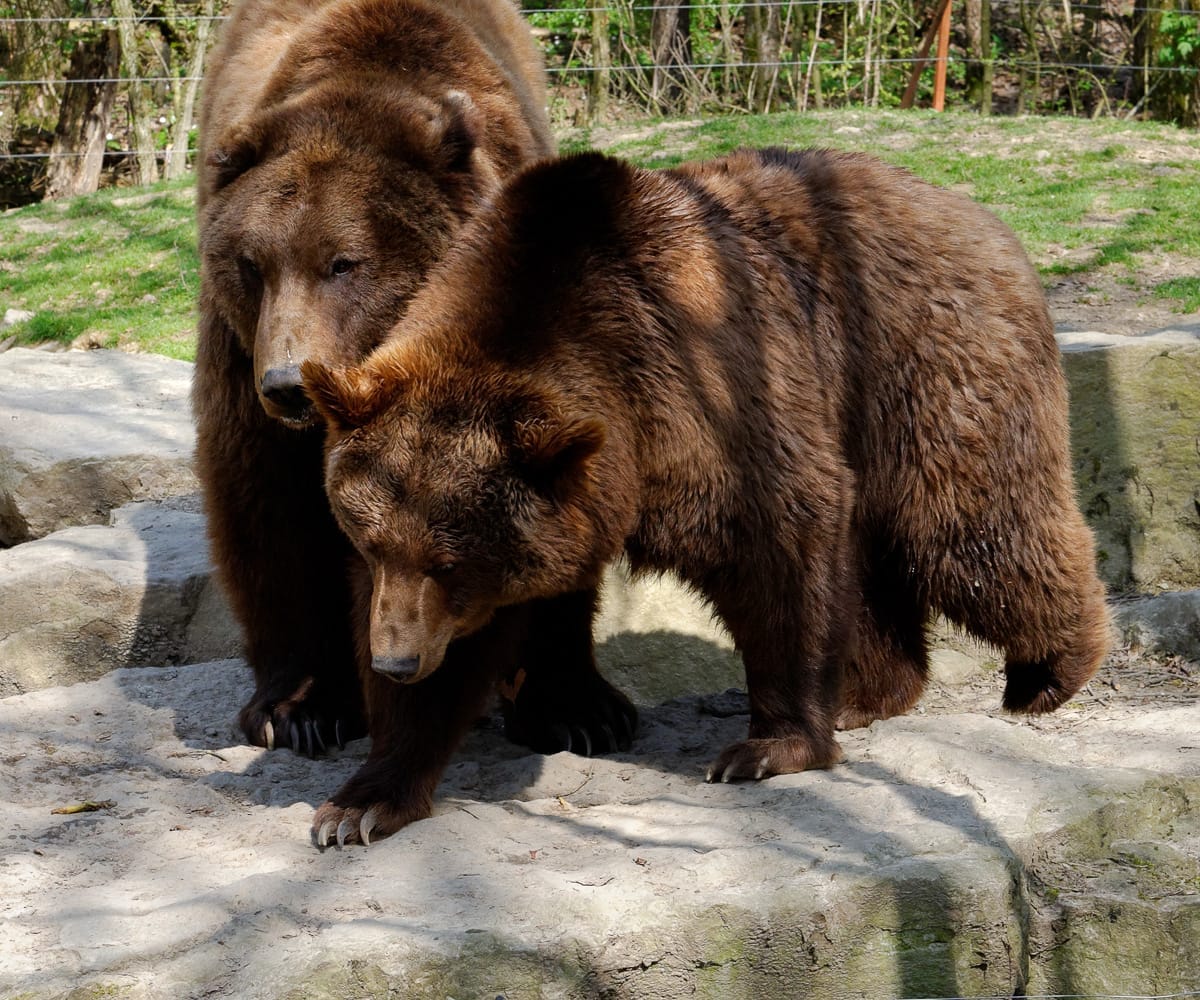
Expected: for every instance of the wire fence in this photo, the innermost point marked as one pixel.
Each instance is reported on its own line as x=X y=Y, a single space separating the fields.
x=628 y=58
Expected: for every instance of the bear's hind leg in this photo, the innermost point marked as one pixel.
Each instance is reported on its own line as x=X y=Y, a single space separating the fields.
x=1044 y=667
x=1044 y=605
x=556 y=699
x=889 y=664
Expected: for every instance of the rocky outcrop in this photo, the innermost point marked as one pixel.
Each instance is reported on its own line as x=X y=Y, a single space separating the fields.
x=84 y=432
x=1135 y=436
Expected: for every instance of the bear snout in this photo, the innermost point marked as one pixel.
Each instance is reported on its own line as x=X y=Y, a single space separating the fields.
x=282 y=391
x=397 y=668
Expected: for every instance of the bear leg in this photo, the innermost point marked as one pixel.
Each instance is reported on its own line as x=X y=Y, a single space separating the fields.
x=282 y=561
x=886 y=674
x=1045 y=606
x=414 y=730
x=794 y=651
x=556 y=699
x=1045 y=667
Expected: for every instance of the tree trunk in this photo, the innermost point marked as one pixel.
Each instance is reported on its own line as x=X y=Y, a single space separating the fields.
x=671 y=48
x=601 y=67
x=764 y=42
x=185 y=96
x=671 y=51
x=77 y=155
x=139 y=110
x=979 y=54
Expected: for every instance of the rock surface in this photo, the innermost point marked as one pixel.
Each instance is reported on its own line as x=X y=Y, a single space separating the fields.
x=83 y=432
x=136 y=592
x=954 y=853
x=1135 y=436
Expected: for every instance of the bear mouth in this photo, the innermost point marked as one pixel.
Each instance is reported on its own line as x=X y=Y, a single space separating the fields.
x=303 y=421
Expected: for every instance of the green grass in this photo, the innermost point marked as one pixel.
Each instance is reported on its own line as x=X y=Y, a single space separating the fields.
x=1063 y=184
x=1184 y=290
x=120 y=267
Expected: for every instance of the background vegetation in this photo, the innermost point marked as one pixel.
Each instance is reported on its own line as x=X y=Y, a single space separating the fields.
x=103 y=91
x=1097 y=203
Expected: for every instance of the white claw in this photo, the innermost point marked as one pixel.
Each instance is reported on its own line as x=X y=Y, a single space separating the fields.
x=709 y=775
x=327 y=828
x=761 y=772
x=366 y=825
x=270 y=733
x=344 y=828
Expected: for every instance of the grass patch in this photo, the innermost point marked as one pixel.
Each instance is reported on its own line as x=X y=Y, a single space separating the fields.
x=1186 y=292
x=121 y=268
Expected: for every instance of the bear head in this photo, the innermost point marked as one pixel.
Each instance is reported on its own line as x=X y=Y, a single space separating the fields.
x=463 y=494
x=326 y=211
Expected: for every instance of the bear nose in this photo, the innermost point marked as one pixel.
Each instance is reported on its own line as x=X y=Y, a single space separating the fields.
x=284 y=387
x=398 y=668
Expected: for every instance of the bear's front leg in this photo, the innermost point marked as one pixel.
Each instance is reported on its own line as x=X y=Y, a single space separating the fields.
x=281 y=558
x=793 y=646
x=414 y=729
x=556 y=699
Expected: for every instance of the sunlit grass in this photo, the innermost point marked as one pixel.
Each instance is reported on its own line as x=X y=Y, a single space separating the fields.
x=121 y=268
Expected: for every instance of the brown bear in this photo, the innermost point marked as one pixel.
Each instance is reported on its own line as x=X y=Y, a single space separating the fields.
x=824 y=393
x=343 y=144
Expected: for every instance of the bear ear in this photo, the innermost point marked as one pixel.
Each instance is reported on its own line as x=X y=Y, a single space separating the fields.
x=462 y=124
x=553 y=452
x=346 y=397
x=240 y=149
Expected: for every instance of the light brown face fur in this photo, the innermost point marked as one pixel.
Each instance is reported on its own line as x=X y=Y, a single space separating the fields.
x=457 y=513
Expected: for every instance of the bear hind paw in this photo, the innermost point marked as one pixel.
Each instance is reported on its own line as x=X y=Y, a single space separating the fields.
x=753 y=760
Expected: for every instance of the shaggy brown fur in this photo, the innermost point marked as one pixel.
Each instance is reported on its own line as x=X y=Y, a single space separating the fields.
x=343 y=145
x=823 y=393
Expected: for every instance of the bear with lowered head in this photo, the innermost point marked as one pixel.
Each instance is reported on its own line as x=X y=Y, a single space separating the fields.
x=822 y=392
x=343 y=144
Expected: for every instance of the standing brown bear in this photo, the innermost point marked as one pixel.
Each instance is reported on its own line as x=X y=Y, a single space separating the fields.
x=825 y=394
x=344 y=143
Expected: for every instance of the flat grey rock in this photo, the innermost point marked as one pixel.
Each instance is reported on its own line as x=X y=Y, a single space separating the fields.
x=1135 y=410
x=85 y=600
x=83 y=432
x=954 y=853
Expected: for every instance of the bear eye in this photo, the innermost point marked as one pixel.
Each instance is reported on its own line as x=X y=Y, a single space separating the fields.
x=342 y=265
x=442 y=570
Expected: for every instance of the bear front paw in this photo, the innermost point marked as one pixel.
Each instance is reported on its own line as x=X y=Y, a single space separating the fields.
x=587 y=717
x=360 y=825
x=760 y=758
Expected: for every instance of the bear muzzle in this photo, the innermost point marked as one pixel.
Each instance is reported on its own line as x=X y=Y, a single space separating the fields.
x=283 y=396
x=401 y=669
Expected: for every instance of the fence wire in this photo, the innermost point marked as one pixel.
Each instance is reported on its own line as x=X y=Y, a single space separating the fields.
x=631 y=74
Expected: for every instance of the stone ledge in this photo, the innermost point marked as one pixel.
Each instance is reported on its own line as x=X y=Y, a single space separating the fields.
x=951 y=855
x=85 y=600
x=82 y=433
x=1135 y=414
